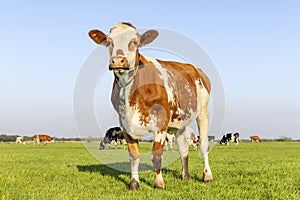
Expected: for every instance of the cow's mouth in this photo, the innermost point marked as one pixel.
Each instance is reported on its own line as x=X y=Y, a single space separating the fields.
x=119 y=70
x=118 y=67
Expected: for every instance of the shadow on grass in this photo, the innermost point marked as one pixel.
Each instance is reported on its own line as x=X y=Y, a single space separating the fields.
x=177 y=174
x=115 y=170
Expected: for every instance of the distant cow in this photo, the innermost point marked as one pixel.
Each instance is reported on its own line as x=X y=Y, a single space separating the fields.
x=191 y=138
x=170 y=138
x=42 y=138
x=255 y=138
x=114 y=135
x=230 y=137
x=20 y=140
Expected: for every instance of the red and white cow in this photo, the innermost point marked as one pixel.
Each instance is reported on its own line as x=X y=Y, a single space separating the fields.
x=170 y=138
x=151 y=95
x=255 y=138
x=191 y=137
x=20 y=140
x=42 y=138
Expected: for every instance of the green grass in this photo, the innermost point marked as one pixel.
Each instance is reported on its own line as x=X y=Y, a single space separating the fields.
x=68 y=171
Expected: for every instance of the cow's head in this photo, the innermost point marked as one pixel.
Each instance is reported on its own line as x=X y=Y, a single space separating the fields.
x=123 y=43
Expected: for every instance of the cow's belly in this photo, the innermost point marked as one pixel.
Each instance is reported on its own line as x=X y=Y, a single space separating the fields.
x=130 y=121
x=182 y=123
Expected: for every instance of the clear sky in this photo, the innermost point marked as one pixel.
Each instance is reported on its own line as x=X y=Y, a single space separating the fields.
x=255 y=46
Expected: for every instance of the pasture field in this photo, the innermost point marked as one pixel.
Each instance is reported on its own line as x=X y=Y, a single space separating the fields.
x=269 y=170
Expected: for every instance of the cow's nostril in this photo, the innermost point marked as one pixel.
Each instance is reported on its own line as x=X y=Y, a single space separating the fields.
x=113 y=61
x=122 y=60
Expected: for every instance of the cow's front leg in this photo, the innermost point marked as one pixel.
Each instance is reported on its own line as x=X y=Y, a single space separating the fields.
x=157 y=157
x=134 y=157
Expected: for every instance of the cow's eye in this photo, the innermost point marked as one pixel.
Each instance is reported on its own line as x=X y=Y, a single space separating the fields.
x=133 y=43
x=107 y=43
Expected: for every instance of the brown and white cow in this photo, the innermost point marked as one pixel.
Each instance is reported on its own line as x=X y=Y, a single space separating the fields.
x=255 y=138
x=42 y=138
x=191 y=137
x=20 y=140
x=170 y=138
x=152 y=95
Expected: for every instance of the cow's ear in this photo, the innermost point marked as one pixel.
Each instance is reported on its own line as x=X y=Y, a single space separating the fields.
x=148 y=37
x=98 y=36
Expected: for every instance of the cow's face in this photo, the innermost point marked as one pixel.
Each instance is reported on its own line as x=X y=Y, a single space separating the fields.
x=123 y=43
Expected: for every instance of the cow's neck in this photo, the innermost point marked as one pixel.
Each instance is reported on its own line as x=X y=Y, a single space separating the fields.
x=126 y=79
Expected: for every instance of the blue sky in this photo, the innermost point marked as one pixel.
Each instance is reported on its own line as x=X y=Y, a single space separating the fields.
x=255 y=46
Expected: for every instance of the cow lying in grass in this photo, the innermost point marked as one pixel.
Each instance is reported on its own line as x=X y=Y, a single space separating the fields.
x=20 y=140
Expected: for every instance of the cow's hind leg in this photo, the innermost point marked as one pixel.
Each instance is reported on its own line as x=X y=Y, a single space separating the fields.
x=157 y=157
x=183 y=151
x=202 y=122
x=116 y=144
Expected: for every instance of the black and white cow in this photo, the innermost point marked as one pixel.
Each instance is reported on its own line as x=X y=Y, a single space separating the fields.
x=230 y=137
x=114 y=135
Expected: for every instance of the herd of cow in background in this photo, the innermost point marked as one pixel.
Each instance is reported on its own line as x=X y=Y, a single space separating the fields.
x=37 y=139
x=115 y=136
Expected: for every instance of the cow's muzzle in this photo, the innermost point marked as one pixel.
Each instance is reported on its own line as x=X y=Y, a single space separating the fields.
x=118 y=63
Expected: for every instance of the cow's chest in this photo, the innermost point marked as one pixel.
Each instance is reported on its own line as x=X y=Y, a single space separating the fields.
x=130 y=117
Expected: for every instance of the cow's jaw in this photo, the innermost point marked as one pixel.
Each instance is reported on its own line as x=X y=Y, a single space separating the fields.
x=119 y=72
x=124 y=77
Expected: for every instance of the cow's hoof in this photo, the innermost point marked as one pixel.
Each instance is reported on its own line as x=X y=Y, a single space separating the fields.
x=134 y=184
x=207 y=178
x=185 y=177
x=208 y=181
x=160 y=185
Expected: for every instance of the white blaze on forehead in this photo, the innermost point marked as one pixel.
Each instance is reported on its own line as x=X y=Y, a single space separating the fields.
x=121 y=35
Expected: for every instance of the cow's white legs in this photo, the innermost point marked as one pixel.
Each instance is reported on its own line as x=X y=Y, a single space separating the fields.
x=157 y=158
x=116 y=144
x=183 y=151
x=171 y=145
x=135 y=161
x=166 y=146
x=202 y=121
x=203 y=124
x=134 y=157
